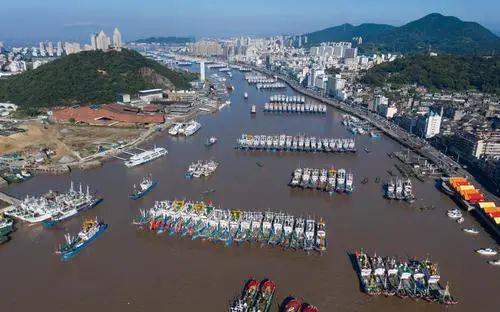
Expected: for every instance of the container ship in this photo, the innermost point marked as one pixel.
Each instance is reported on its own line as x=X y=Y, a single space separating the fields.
x=284 y=142
x=204 y=221
x=418 y=279
x=146 y=185
x=145 y=157
x=54 y=207
x=472 y=199
x=91 y=229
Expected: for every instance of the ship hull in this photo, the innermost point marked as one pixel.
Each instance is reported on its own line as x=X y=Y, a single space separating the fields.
x=145 y=192
x=70 y=254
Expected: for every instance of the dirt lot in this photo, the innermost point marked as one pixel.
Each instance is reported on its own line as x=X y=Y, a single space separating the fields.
x=65 y=139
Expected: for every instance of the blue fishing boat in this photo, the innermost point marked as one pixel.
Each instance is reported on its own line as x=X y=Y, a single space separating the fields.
x=91 y=229
x=146 y=185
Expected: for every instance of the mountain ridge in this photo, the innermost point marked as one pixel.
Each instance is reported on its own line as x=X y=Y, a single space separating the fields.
x=433 y=32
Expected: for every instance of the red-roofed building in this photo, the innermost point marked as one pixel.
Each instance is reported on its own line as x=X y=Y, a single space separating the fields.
x=110 y=114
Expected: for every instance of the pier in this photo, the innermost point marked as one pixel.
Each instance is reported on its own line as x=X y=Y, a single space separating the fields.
x=13 y=201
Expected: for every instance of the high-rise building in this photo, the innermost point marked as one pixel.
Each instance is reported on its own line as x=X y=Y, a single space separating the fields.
x=102 y=41
x=93 y=41
x=432 y=124
x=202 y=71
x=117 y=39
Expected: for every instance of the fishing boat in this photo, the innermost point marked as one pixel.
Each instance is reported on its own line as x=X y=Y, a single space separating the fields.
x=392 y=280
x=250 y=293
x=407 y=191
x=309 y=232
x=146 y=185
x=378 y=271
x=297 y=239
x=365 y=273
x=494 y=262
x=211 y=141
x=310 y=308
x=265 y=296
x=454 y=214
x=487 y=251
x=91 y=229
x=341 y=177
x=320 y=244
x=349 y=183
x=293 y=305
x=471 y=230
x=399 y=189
x=192 y=127
x=6 y=226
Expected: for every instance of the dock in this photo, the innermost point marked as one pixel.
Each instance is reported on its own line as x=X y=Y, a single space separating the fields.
x=13 y=201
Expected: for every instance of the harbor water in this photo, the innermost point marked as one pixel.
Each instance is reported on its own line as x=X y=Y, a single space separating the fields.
x=129 y=270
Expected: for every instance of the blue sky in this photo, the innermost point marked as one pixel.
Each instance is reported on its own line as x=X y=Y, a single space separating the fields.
x=75 y=19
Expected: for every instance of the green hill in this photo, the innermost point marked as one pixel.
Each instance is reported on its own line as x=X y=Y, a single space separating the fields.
x=442 y=72
x=92 y=77
x=434 y=32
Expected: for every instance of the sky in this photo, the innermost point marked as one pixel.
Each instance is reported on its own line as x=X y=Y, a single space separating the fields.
x=35 y=20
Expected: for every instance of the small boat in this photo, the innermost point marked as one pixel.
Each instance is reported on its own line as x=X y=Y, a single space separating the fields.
x=253 y=110
x=259 y=164
x=293 y=305
x=146 y=185
x=211 y=141
x=471 y=231
x=494 y=262
x=91 y=229
x=460 y=220
x=487 y=251
x=245 y=95
x=454 y=214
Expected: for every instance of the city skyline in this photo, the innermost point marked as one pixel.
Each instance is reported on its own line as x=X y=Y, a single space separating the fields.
x=63 y=21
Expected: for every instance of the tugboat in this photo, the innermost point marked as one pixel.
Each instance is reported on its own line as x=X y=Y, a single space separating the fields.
x=146 y=185
x=91 y=229
x=265 y=297
x=211 y=141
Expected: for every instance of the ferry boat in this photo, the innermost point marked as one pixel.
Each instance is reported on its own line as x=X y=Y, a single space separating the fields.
x=147 y=156
x=146 y=185
x=91 y=229
x=192 y=127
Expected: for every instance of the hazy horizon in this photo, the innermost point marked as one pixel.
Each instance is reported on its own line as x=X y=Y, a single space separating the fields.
x=58 y=20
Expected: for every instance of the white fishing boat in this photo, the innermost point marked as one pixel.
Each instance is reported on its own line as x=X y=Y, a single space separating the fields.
x=192 y=127
x=487 y=251
x=471 y=231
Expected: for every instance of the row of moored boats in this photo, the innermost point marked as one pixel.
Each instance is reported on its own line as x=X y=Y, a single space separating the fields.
x=328 y=180
x=201 y=168
x=294 y=108
x=401 y=190
x=205 y=221
x=54 y=207
x=295 y=143
x=283 y=98
x=414 y=279
x=186 y=129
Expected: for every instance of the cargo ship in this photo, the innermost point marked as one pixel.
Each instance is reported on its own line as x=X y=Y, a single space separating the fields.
x=472 y=199
x=146 y=185
x=91 y=229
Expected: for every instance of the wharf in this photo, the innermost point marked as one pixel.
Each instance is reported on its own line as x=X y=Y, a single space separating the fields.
x=8 y=199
